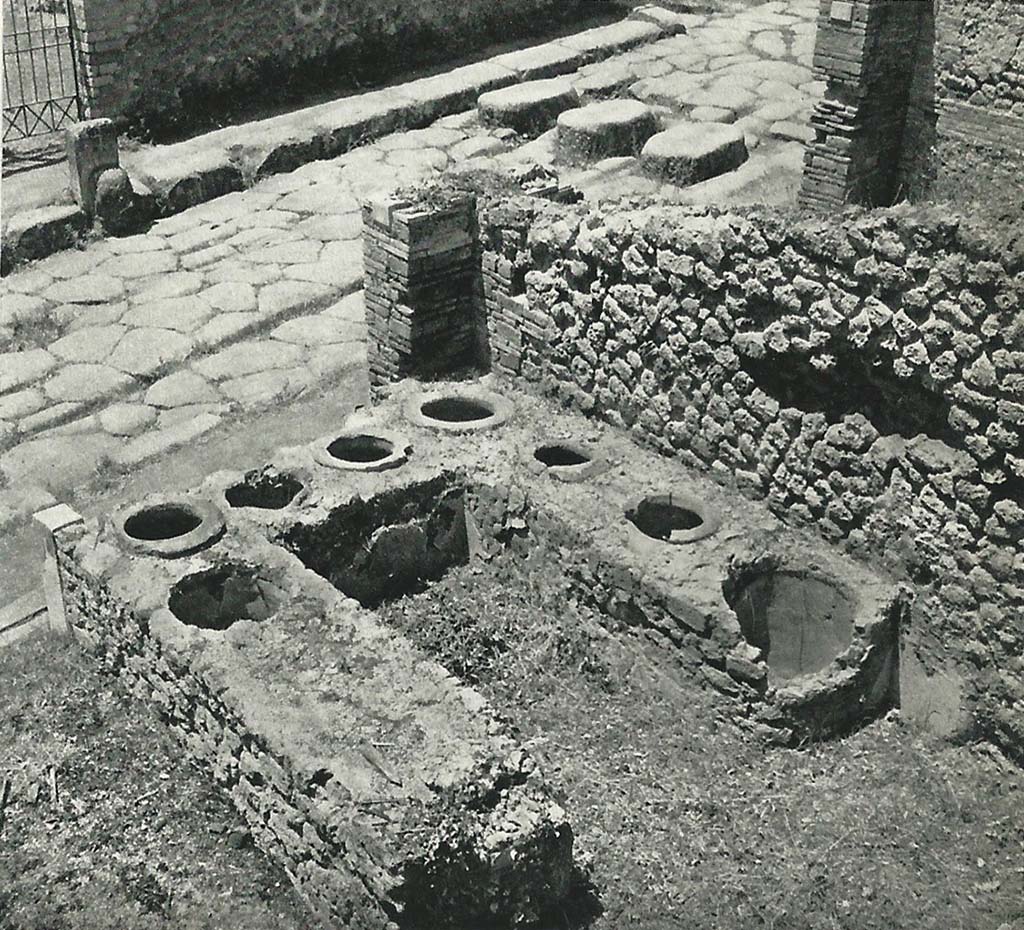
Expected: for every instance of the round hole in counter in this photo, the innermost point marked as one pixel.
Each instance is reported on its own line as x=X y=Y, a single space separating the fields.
x=559 y=455
x=672 y=518
x=466 y=410
x=163 y=521
x=361 y=448
x=457 y=410
x=168 y=526
x=216 y=598
x=801 y=622
x=264 y=490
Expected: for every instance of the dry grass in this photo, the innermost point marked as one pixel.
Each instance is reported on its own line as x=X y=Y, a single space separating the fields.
x=134 y=837
x=687 y=822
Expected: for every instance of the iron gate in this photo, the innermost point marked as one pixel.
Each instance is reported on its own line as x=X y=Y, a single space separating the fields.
x=41 y=91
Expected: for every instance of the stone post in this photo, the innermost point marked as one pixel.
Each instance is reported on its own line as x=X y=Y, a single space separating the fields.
x=54 y=519
x=91 y=150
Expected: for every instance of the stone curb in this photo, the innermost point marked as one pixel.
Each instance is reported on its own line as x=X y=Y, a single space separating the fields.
x=188 y=173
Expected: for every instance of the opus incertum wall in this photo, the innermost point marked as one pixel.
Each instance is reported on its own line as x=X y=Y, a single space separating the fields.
x=864 y=376
x=386 y=788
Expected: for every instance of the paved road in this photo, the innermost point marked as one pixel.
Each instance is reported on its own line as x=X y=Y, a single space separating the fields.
x=252 y=300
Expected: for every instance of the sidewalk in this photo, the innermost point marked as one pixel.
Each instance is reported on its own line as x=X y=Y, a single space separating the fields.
x=252 y=299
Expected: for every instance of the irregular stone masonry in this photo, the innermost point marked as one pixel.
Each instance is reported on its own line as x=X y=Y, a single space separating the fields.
x=863 y=49
x=422 y=266
x=866 y=377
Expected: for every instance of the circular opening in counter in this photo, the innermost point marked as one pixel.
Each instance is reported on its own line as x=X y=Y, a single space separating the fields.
x=218 y=597
x=168 y=526
x=163 y=521
x=458 y=411
x=361 y=448
x=264 y=491
x=672 y=518
x=801 y=622
x=560 y=455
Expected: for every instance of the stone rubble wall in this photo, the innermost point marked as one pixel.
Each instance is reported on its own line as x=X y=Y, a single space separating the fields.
x=803 y=360
x=157 y=60
x=964 y=139
x=299 y=825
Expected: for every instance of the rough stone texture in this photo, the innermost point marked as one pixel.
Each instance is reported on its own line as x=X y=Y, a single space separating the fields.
x=692 y=152
x=529 y=108
x=91 y=148
x=863 y=377
x=609 y=127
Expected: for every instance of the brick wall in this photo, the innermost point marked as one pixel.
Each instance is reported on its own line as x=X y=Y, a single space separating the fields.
x=166 y=61
x=864 y=50
x=865 y=377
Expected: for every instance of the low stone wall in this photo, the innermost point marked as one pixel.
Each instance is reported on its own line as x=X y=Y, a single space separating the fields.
x=287 y=712
x=163 y=62
x=864 y=377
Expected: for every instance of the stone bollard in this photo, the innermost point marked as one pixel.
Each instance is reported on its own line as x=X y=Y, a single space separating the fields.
x=91 y=149
x=54 y=519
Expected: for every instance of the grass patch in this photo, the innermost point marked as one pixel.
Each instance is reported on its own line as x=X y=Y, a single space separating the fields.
x=134 y=836
x=32 y=331
x=685 y=821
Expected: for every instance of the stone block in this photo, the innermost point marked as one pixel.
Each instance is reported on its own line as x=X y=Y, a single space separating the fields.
x=529 y=108
x=693 y=152
x=91 y=149
x=600 y=130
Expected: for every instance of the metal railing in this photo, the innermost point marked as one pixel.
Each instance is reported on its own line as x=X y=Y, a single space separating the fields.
x=41 y=92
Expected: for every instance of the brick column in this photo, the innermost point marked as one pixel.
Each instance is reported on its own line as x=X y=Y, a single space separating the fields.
x=102 y=28
x=865 y=51
x=422 y=288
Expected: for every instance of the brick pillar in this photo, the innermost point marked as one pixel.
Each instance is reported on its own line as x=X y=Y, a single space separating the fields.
x=422 y=288
x=865 y=51
x=102 y=29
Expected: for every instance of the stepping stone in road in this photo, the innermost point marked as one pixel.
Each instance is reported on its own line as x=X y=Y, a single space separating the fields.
x=692 y=152
x=600 y=130
x=528 y=108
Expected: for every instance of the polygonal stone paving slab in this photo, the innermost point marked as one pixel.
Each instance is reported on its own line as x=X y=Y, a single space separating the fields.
x=180 y=388
x=85 y=383
x=147 y=350
x=21 y=404
x=19 y=368
x=693 y=152
x=246 y=358
x=610 y=127
x=183 y=314
x=140 y=264
x=89 y=344
x=529 y=108
x=126 y=419
x=86 y=289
